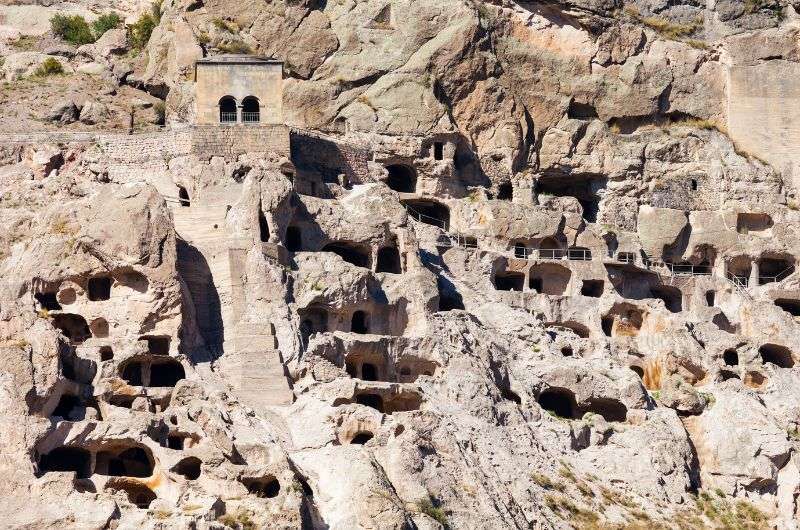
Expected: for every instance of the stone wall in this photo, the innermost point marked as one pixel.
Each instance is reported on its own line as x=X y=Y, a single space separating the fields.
x=326 y=157
x=764 y=114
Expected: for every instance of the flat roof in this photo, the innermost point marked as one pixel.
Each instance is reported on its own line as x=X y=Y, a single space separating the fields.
x=238 y=59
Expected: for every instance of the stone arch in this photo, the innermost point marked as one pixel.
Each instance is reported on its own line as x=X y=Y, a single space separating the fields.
x=739 y=268
x=402 y=178
x=780 y=356
x=505 y=191
x=228 y=109
x=509 y=281
x=730 y=357
x=349 y=252
x=774 y=268
x=791 y=306
x=361 y=438
x=251 y=110
x=48 y=301
x=370 y=400
x=610 y=409
x=137 y=493
x=623 y=319
x=313 y=319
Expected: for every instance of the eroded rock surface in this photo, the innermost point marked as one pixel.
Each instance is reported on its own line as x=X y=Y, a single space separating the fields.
x=505 y=265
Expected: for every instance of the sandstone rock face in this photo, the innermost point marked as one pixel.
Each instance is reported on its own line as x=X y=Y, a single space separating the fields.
x=505 y=265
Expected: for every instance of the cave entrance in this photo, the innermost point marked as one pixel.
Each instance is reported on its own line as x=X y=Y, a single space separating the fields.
x=780 y=356
x=65 y=459
x=585 y=188
x=389 y=260
x=360 y=323
x=429 y=212
x=124 y=462
x=402 y=178
x=99 y=288
x=789 y=305
x=509 y=281
x=671 y=296
x=558 y=401
x=294 y=239
x=550 y=279
x=349 y=252
x=370 y=400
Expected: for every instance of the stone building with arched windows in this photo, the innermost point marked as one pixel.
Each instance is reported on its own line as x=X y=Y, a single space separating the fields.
x=238 y=89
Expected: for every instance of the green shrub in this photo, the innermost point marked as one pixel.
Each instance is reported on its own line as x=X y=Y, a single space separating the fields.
x=141 y=30
x=50 y=66
x=72 y=29
x=236 y=46
x=427 y=507
x=160 y=108
x=105 y=23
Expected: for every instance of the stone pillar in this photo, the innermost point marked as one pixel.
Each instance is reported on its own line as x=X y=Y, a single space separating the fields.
x=754 y=274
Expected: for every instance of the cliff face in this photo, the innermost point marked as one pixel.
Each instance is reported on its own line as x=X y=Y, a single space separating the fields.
x=505 y=265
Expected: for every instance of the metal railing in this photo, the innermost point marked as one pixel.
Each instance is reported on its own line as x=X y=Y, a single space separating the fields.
x=251 y=117
x=626 y=257
x=427 y=219
x=685 y=269
x=574 y=254
x=228 y=117
x=762 y=280
x=740 y=282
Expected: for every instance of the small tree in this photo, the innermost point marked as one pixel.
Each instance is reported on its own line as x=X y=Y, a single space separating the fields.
x=72 y=29
x=141 y=30
x=105 y=23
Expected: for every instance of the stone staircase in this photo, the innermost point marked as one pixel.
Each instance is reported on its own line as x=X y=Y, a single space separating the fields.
x=207 y=262
x=203 y=263
x=256 y=370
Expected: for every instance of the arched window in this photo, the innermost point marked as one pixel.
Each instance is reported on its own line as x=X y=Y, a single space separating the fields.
x=227 y=110
x=251 y=110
